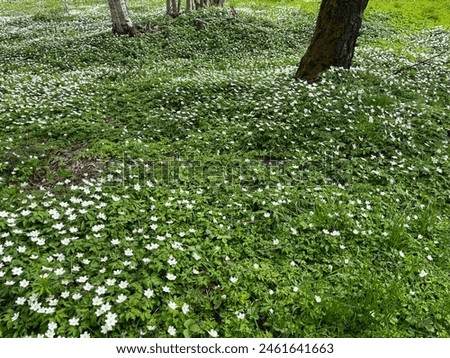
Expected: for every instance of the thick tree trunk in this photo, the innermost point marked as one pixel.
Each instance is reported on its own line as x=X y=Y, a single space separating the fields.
x=333 y=42
x=121 y=20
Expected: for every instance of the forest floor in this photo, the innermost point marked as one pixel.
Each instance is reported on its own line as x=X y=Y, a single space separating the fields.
x=181 y=183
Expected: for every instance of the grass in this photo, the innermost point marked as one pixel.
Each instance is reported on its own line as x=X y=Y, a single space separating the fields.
x=182 y=184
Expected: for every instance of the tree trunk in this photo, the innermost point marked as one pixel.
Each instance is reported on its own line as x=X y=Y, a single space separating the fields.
x=173 y=7
x=333 y=42
x=121 y=20
x=190 y=5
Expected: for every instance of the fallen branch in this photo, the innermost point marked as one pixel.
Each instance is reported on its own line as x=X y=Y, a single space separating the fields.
x=426 y=61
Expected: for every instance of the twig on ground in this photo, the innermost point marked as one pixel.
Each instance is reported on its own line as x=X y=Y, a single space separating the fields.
x=426 y=61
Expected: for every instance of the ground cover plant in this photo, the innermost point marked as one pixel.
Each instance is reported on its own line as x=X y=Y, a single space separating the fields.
x=181 y=184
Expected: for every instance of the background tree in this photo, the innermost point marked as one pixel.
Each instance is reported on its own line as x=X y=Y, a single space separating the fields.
x=333 y=42
x=173 y=7
x=121 y=20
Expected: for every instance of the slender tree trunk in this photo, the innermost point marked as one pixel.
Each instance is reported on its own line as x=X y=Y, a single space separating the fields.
x=190 y=5
x=121 y=20
x=334 y=40
x=173 y=8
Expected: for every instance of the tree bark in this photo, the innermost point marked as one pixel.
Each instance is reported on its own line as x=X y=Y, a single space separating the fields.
x=190 y=5
x=121 y=20
x=334 y=40
x=173 y=8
